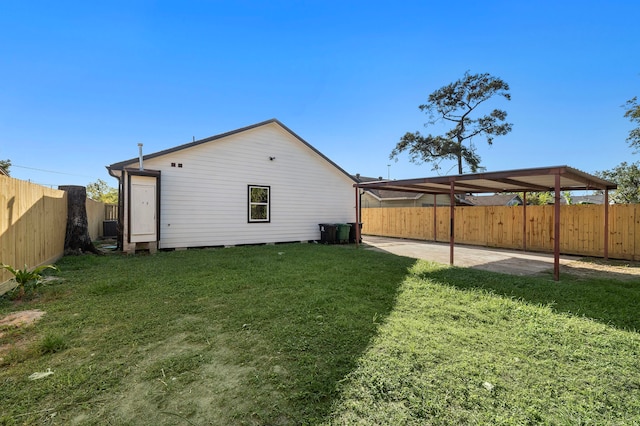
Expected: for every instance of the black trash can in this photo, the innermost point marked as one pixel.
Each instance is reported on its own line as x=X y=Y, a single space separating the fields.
x=352 y=233
x=328 y=233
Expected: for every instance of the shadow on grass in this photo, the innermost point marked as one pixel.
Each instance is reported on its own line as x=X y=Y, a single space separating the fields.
x=576 y=268
x=322 y=323
x=601 y=298
x=611 y=269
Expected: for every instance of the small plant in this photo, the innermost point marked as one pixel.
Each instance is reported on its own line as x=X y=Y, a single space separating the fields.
x=51 y=344
x=25 y=277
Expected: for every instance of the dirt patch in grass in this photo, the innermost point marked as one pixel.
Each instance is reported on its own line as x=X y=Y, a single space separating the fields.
x=19 y=319
x=179 y=381
x=14 y=321
x=596 y=267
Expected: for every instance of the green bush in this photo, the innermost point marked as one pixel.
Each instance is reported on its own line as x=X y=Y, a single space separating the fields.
x=26 y=278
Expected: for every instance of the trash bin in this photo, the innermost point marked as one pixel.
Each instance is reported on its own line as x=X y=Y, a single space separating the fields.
x=342 y=234
x=352 y=233
x=327 y=233
x=110 y=228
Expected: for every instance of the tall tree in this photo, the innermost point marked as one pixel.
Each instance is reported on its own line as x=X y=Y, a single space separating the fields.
x=627 y=176
x=633 y=114
x=5 y=164
x=458 y=103
x=101 y=191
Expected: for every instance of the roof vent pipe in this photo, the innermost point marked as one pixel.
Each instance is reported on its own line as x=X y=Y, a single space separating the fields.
x=140 y=156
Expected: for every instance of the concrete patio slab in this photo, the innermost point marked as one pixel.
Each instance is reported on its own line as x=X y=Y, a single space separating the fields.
x=489 y=259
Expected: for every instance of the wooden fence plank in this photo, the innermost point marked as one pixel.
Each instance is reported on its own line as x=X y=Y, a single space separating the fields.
x=636 y=232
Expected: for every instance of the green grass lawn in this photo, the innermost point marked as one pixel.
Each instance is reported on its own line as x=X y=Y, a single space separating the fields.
x=311 y=334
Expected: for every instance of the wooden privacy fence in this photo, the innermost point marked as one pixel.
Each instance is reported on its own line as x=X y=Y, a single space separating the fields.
x=581 y=227
x=33 y=222
x=110 y=212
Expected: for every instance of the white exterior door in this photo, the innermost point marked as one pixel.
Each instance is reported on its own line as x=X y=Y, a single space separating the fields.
x=143 y=221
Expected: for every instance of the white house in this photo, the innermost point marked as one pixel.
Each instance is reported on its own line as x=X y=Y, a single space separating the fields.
x=258 y=184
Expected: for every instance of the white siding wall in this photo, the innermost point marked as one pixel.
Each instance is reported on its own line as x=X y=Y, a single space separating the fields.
x=204 y=203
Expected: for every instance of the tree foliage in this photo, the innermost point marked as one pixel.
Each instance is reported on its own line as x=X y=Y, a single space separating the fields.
x=627 y=176
x=5 y=164
x=633 y=114
x=458 y=104
x=538 y=198
x=101 y=191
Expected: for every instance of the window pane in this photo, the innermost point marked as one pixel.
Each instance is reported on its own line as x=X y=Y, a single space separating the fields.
x=259 y=195
x=259 y=212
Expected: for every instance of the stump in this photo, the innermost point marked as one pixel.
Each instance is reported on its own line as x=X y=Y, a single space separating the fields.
x=77 y=239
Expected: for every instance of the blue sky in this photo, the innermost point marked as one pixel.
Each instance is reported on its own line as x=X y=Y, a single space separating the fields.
x=84 y=82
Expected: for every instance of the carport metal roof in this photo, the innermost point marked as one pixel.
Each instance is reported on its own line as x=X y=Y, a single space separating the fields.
x=521 y=180
x=541 y=179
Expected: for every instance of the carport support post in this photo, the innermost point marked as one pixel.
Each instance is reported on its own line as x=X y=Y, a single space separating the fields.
x=606 y=224
x=435 y=218
x=452 y=213
x=556 y=231
x=357 y=217
x=524 y=221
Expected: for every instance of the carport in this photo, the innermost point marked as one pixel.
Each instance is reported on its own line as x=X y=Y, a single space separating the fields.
x=542 y=179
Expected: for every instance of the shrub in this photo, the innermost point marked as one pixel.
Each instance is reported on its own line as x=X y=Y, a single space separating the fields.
x=26 y=278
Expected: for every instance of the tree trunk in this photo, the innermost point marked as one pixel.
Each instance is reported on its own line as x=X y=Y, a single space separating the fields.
x=77 y=239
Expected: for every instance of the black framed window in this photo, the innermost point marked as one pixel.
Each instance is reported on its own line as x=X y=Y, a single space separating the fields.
x=259 y=203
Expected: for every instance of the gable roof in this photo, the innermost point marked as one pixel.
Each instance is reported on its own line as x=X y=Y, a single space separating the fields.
x=384 y=194
x=585 y=199
x=122 y=164
x=493 y=200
